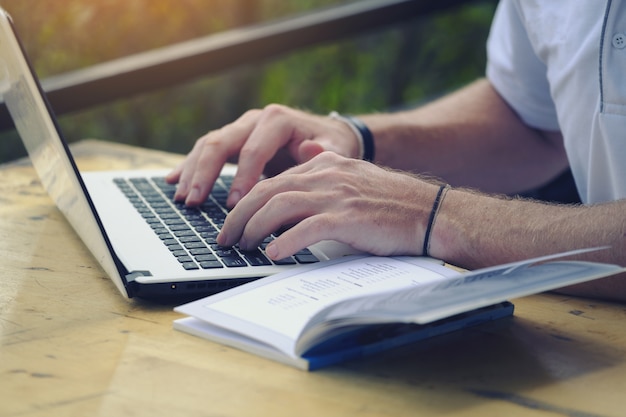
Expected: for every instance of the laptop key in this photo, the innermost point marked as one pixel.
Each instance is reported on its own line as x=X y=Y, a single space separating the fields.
x=176 y=227
x=256 y=258
x=190 y=266
x=201 y=251
x=184 y=233
x=211 y=264
x=205 y=258
x=286 y=261
x=189 y=239
x=306 y=257
x=233 y=261
x=194 y=245
x=165 y=235
x=223 y=252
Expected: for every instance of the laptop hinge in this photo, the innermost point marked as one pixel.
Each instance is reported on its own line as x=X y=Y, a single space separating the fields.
x=130 y=277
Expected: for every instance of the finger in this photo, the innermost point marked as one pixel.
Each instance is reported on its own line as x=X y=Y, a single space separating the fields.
x=198 y=172
x=182 y=173
x=173 y=176
x=259 y=211
x=283 y=211
x=309 y=149
x=203 y=175
x=274 y=130
x=307 y=232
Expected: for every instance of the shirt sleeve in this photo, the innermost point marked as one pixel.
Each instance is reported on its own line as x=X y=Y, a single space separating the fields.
x=515 y=70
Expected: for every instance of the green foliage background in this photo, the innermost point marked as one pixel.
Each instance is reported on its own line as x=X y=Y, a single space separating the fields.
x=382 y=70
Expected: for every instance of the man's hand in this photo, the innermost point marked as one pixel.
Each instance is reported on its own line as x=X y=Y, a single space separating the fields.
x=265 y=140
x=333 y=198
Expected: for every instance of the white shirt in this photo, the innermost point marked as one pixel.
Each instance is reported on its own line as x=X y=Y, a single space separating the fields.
x=561 y=65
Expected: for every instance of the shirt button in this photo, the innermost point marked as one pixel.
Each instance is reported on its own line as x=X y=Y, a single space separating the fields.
x=619 y=40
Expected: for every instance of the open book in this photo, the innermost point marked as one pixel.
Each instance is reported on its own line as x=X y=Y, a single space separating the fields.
x=324 y=313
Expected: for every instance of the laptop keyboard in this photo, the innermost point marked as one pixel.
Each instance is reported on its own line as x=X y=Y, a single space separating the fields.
x=189 y=233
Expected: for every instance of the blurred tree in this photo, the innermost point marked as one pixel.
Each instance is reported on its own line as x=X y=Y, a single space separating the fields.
x=405 y=64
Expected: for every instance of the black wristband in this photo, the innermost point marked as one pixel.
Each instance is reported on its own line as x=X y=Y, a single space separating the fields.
x=433 y=216
x=366 y=135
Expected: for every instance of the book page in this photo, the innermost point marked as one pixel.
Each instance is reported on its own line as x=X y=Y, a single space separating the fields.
x=285 y=305
x=468 y=291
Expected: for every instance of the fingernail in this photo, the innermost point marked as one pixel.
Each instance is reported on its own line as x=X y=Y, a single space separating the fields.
x=170 y=176
x=193 y=196
x=221 y=238
x=233 y=198
x=181 y=190
x=271 y=250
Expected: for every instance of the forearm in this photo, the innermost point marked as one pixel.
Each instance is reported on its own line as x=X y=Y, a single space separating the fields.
x=469 y=138
x=474 y=230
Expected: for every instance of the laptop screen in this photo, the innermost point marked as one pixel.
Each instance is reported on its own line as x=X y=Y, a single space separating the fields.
x=47 y=150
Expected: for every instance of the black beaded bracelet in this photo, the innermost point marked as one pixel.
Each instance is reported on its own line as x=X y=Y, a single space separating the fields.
x=433 y=215
x=364 y=135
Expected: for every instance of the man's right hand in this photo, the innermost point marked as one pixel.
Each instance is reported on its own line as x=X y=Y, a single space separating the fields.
x=258 y=140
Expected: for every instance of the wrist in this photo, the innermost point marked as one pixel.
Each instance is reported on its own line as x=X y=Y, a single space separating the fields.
x=365 y=139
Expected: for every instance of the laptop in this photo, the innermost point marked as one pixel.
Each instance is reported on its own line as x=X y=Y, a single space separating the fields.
x=148 y=245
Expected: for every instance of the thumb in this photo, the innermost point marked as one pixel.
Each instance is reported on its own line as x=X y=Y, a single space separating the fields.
x=309 y=149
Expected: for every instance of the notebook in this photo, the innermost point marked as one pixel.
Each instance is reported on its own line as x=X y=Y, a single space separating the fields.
x=148 y=246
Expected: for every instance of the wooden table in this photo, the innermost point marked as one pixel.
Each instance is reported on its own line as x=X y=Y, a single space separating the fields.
x=70 y=345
